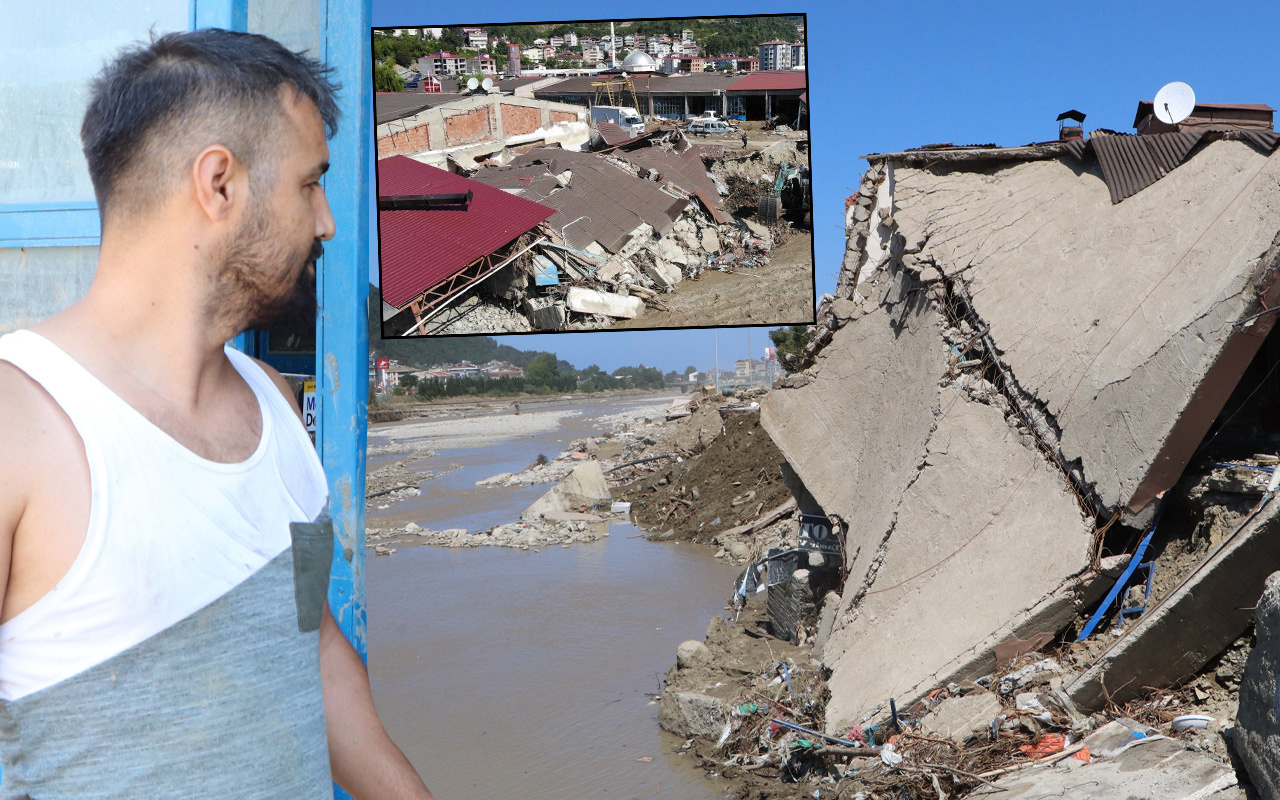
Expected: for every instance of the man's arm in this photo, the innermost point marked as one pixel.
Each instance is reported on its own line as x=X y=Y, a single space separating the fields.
x=364 y=760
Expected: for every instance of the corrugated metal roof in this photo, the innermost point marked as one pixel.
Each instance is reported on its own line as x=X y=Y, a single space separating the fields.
x=1146 y=107
x=419 y=249
x=612 y=133
x=1132 y=163
x=602 y=203
x=1267 y=140
x=684 y=170
x=391 y=106
x=788 y=80
x=699 y=82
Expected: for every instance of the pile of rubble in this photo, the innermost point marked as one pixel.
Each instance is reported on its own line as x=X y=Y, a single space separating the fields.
x=562 y=529
x=630 y=225
x=1029 y=438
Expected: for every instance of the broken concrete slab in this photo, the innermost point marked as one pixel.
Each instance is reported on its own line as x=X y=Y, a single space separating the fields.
x=589 y=301
x=690 y=714
x=957 y=718
x=1195 y=622
x=1009 y=233
x=663 y=274
x=1257 y=732
x=1151 y=766
x=958 y=533
x=544 y=313
x=669 y=250
x=987 y=543
x=710 y=241
x=584 y=486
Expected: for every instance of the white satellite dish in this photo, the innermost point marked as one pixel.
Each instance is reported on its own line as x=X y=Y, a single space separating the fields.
x=472 y=84
x=1174 y=102
x=486 y=84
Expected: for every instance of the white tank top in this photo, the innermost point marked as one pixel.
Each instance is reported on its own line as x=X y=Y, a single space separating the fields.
x=169 y=532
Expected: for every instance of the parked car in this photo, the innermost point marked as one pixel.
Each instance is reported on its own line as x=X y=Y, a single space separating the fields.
x=710 y=128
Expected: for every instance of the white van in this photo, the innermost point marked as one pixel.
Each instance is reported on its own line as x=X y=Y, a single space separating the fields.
x=709 y=128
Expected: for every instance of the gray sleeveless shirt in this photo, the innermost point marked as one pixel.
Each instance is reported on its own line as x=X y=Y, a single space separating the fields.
x=224 y=702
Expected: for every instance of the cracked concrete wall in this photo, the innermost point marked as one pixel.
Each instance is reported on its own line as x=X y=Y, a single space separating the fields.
x=854 y=458
x=988 y=543
x=959 y=531
x=915 y=490
x=1057 y=271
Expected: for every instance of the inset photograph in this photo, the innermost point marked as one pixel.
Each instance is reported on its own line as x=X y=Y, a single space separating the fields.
x=593 y=175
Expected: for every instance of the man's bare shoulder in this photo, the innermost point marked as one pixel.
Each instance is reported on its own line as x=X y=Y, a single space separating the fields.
x=281 y=384
x=27 y=414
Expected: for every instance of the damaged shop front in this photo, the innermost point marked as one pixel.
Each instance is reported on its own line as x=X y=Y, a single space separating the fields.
x=1041 y=415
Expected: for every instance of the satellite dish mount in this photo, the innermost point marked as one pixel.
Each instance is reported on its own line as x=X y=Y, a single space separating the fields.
x=1174 y=103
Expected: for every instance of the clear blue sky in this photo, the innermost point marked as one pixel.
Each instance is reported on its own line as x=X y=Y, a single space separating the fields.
x=886 y=76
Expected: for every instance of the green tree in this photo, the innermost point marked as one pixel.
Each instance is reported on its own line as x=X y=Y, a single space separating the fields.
x=690 y=370
x=790 y=341
x=543 y=371
x=409 y=381
x=385 y=78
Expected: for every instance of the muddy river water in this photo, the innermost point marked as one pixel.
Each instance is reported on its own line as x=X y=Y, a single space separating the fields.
x=519 y=674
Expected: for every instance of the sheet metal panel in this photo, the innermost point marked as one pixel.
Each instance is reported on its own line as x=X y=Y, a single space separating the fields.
x=1266 y=140
x=1132 y=163
x=391 y=106
x=685 y=170
x=421 y=248
x=789 y=80
x=602 y=203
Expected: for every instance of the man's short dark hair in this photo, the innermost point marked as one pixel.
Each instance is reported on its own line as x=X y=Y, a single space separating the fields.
x=156 y=106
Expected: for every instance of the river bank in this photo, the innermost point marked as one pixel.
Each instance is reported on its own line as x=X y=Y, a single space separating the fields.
x=504 y=672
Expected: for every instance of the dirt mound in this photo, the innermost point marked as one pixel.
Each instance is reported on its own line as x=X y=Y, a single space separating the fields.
x=737 y=478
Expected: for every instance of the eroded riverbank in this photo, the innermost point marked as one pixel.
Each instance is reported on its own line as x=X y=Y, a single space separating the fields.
x=510 y=673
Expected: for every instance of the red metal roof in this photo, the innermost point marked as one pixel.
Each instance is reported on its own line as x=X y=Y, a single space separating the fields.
x=418 y=249
x=773 y=81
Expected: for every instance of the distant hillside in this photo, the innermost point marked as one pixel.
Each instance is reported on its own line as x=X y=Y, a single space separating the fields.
x=429 y=351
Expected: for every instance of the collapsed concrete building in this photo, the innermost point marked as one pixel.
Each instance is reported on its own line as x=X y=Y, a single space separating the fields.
x=555 y=238
x=1026 y=350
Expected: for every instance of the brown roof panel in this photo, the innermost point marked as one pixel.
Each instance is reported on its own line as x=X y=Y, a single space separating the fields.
x=698 y=82
x=602 y=203
x=1132 y=163
x=391 y=106
x=685 y=170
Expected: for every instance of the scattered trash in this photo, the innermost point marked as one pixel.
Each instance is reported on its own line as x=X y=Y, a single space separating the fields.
x=645 y=759
x=1046 y=745
x=890 y=756
x=1190 y=721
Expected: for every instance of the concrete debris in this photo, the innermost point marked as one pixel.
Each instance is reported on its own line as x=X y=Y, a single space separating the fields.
x=959 y=718
x=691 y=653
x=1127 y=760
x=648 y=211
x=1210 y=609
x=974 y=512
x=589 y=301
x=584 y=487
x=1257 y=731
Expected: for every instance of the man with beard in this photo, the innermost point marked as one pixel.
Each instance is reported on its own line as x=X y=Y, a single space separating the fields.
x=164 y=542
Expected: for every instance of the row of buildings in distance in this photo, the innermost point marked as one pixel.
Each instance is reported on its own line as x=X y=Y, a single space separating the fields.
x=672 y=53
